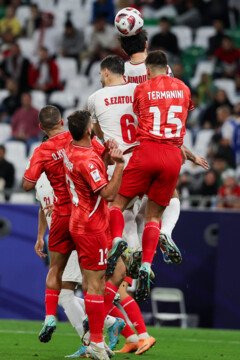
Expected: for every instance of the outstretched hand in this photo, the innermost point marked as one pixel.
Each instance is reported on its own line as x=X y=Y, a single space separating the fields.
x=201 y=161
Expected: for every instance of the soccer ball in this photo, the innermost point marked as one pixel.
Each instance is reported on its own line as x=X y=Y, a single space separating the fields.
x=129 y=21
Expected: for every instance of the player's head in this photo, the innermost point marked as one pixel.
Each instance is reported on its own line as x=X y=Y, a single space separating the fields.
x=80 y=124
x=156 y=63
x=134 y=44
x=50 y=118
x=111 y=66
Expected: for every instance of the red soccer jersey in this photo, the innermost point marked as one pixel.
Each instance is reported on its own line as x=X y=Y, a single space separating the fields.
x=162 y=106
x=226 y=197
x=85 y=176
x=48 y=158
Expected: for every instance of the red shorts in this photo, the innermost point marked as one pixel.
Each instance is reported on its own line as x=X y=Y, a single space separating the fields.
x=60 y=239
x=153 y=170
x=93 y=249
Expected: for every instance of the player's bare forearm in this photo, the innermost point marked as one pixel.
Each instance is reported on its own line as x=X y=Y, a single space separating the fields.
x=27 y=185
x=98 y=131
x=110 y=191
x=42 y=223
x=190 y=155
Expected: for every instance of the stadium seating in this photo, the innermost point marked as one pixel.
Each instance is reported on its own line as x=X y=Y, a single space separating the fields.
x=23 y=13
x=38 y=99
x=228 y=86
x=77 y=84
x=67 y=68
x=168 y=295
x=45 y=5
x=33 y=147
x=3 y=94
x=5 y=132
x=202 y=36
x=202 y=142
x=188 y=140
x=21 y=198
x=16 y=154
x=204 y=66
x=27 y=47
x=62 y=98
x=184 y=36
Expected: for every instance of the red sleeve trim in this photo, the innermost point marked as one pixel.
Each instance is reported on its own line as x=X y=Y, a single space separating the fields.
x=100 y=187
x=32 y=181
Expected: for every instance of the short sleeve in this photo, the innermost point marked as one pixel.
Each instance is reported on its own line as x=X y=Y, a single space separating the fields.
x=34 y=167
x=91 y=108
x=94 y=173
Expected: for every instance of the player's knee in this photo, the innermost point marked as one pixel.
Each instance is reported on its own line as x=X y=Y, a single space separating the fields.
x=96 y=286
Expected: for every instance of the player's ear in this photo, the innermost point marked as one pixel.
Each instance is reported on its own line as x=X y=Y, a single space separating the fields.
x=62 y=122
x=148 y=72
x=146 y=44
x=41 y=127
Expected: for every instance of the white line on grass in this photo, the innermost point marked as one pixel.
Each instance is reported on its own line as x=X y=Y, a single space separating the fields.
x=231 y=342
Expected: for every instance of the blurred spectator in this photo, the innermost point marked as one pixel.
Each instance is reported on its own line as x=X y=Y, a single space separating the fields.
x=230 y=132
x=194 y=117
x=2 y=9
x=103 y=35
x=178 y=70
x=11 y=103
x=16 y=67
x=10 y=22
x=219 y=165
x=209 y=186
x=34 y=21
x=6 y=172
x=229 y=193
x=44 y=74
x=72 y=42
x=209 y=119
x=215 y=41
x=7 y=40
x=227 y=59
x=25 y=123
x=206 y=90
x=165 y=39
x=103 y=7
x=234 y=12
x=47 y=35
x=191 y=15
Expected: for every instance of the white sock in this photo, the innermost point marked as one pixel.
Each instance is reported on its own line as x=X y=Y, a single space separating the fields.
x=133 y=338
x=170 y=216
x=130 y=232
x=100 y=345
x=73 y=309
x=81 y=302
x=144 y=336
x=109 y=321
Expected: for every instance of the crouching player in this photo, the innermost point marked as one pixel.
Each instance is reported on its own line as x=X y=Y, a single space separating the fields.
x=89 y=222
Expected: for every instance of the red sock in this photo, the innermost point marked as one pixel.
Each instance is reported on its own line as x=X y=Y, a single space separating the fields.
x=110 y=292
x=127 y=331
x=134 y=314
x=94 y=305
x=51 y=301
x=116 y=222
x=149 y=241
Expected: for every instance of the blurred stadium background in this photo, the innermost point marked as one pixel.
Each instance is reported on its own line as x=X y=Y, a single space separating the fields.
x=202 y=39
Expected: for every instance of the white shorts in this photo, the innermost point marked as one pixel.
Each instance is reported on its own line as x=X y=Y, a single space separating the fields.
x=72 y=270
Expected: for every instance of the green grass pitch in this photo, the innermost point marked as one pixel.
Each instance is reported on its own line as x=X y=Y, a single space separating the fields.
x=19 y=341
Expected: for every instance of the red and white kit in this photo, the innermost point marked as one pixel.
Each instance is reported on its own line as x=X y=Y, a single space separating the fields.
x=137 y=72
x=48 y=158
x=154 y=167
x=89 y=221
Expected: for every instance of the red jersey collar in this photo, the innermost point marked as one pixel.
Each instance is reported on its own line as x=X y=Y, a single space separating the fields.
x=62 y=132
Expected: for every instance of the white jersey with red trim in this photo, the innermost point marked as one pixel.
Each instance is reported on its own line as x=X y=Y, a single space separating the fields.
x=112 y=108
x=137 y=72
x=45 y=194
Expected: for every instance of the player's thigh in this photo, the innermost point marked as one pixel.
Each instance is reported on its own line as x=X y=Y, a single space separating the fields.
x=58 y=260
x=92 y=250
x=60 y=239
x=165 y=181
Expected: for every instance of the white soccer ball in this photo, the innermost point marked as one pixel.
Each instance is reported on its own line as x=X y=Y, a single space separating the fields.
x=129 y=21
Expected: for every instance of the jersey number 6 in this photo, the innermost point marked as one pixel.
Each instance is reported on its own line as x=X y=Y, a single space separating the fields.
x=128 y=128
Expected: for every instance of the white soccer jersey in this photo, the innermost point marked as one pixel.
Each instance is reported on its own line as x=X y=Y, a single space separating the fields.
x=112 y=108
x=137 y=72
x=45 y=194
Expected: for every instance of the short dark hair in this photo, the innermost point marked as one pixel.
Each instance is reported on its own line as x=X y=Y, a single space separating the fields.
x=77 y=123
x=113 y=63
x=157 y=58
x=49 y=117
x=134 y=44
